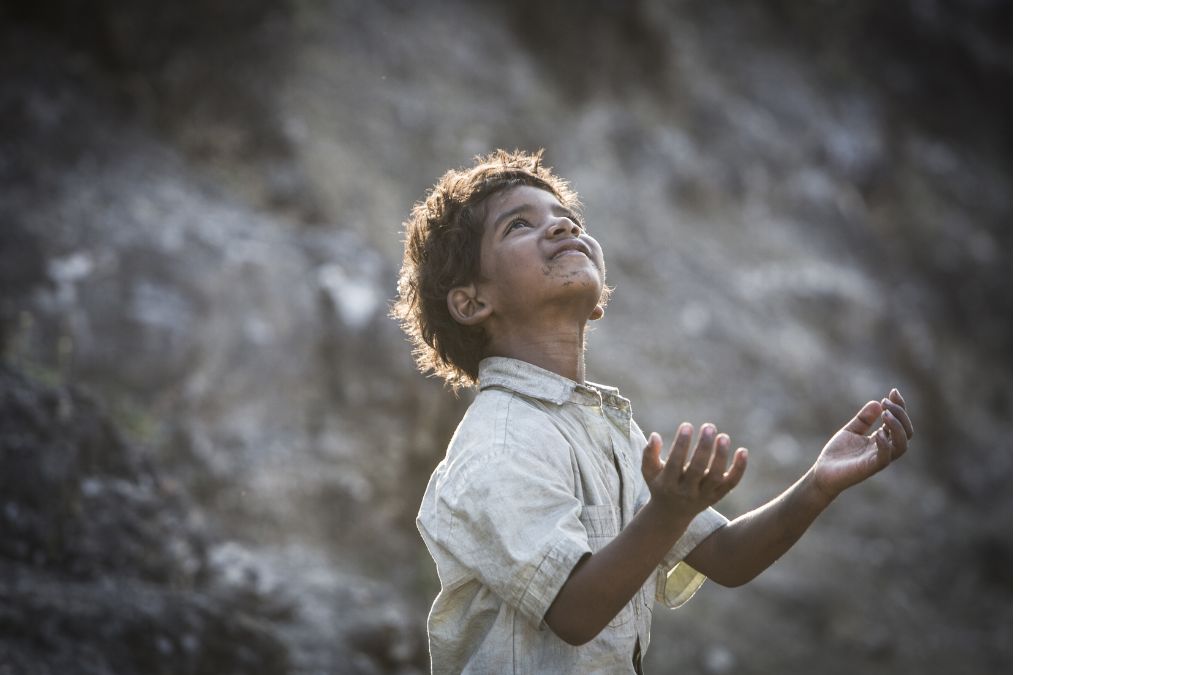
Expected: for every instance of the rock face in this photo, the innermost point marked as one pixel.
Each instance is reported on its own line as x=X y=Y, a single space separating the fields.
x=214 y=441
x=106 y=564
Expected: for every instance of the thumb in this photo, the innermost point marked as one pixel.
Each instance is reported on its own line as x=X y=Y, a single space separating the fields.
x=865 y=419
x=651 y=464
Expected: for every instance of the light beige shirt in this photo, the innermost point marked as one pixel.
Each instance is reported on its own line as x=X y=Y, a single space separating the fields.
x=541 y=471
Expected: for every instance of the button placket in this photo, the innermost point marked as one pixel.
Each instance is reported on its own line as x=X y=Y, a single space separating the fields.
x=602 y=454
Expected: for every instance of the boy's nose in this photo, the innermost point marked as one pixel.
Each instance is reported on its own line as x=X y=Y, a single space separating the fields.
x=564 y=227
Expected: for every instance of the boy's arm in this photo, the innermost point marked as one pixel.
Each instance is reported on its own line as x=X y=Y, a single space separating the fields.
x=738 y=552
x=602 y=583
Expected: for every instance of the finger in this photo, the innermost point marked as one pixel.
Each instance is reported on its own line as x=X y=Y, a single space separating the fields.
x=896 y=434
x=865 y=419
x=900 y=413
x=651 y=464
x=698 y=466
x=731 y=478
x=679 y=450
x=716 y=468
x=895 y=396
x=884 y=450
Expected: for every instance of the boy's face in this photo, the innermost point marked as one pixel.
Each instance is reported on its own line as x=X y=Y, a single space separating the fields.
x=536 y=258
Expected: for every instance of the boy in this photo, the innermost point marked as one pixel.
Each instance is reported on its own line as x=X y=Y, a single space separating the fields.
x=553 y=521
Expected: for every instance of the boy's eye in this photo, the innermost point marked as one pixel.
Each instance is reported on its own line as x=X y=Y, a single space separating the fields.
x=519 y=222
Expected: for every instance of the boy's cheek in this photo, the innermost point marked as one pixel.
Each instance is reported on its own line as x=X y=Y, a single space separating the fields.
x=598 y=253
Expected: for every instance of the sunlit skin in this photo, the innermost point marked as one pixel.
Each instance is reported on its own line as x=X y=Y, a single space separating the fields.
x=534 y=299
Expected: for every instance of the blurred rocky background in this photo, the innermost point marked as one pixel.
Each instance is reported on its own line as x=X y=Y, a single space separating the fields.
x=214 y=441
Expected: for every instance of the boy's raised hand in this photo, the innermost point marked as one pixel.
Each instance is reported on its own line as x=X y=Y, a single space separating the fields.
x=687 y=487
x=855 y=453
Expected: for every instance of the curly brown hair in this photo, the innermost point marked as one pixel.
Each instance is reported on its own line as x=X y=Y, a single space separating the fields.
x=442 y=247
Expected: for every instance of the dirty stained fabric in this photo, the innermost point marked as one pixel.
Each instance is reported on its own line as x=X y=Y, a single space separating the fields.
x=540 y=472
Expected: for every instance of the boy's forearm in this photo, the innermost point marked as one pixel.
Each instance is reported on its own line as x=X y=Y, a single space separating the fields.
x=603 y=583
x=738 y=552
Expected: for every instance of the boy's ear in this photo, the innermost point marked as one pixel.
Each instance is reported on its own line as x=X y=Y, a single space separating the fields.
x=597 y=313
x=466 y=306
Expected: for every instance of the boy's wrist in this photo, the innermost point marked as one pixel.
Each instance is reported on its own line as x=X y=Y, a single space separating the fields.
x=668 y=517
x=811 y=490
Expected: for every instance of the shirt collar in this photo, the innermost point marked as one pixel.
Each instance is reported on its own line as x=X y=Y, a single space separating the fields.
x=530 y=380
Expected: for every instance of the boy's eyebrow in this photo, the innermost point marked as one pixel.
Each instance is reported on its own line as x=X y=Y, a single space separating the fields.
x=510 y=213
x=559 y=209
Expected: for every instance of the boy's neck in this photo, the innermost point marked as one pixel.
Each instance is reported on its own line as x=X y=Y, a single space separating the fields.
x=559 y=351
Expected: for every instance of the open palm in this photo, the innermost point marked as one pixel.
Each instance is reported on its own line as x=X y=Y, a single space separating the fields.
x=855 y=453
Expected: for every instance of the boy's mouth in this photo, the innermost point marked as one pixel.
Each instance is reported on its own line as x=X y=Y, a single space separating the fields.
x=571 y=247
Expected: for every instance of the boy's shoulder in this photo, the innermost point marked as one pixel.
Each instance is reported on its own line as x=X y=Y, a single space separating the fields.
x=501 y=422
x=501 y=433
x=495 y=408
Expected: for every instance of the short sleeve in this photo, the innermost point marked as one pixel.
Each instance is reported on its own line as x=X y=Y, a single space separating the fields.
x=511 y=515
x=677 y=581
